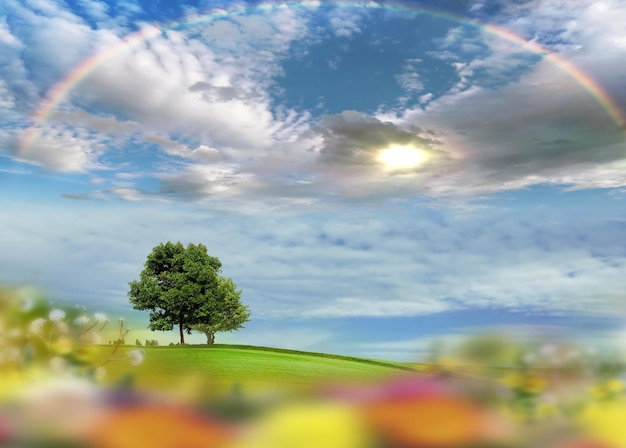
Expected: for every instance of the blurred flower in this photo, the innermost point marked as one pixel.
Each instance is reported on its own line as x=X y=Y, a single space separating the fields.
x=93 y=338
x=430 y=421
x=6 y=431
x=81 y=321
x=605 y=422
x=614 y=386
x=136 y=356
x=157 y=426
x=62 y=327
x=36 y=326
x=309 y=425
x=100 y=317
x=56 y=315
x=608 y=389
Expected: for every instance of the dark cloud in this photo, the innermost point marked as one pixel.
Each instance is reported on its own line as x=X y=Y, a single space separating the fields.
x=352 y=138
x=79 y=197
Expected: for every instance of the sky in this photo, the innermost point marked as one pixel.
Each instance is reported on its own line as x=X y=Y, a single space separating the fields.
x=372 y=175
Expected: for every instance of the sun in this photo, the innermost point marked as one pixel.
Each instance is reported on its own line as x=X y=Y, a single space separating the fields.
x=397 y=157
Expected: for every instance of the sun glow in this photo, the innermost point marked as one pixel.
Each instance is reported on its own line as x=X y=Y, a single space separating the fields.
x=401 y=157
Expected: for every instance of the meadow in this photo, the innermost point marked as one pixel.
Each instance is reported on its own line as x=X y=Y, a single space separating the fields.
x=192 y=370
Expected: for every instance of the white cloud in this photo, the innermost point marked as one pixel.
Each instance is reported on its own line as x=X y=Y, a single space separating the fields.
x=59 y=148
x=345 y=22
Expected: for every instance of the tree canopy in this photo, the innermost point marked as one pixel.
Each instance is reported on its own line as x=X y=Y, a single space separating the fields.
x=183 y=286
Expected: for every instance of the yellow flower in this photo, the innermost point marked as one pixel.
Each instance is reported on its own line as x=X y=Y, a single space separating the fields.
x=605 y=423
x=513 y=380
x=534 y=384
x=311 y=425
x=547 y=410
x=597 y=391
x=614 y=386
x=10 y=383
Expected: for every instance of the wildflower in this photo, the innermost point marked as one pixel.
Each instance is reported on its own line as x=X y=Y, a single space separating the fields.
x=62 y=327
x=605 y=422
x=614 y=386
x=100 y=317
x=36 y=326
x=56 y=315
x=534 y=384
x=443 y=420
x=311 y=425
x=157 y=426
x=136 y=357
x=81 y=321
x=93 y=338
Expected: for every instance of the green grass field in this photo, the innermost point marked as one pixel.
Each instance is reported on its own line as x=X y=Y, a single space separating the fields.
x=193 y=370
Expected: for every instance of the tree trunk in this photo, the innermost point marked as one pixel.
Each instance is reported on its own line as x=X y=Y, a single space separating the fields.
x=182 y=333
x=210 y=337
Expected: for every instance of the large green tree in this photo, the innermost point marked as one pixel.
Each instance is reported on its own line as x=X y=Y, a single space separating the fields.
x=183 y=286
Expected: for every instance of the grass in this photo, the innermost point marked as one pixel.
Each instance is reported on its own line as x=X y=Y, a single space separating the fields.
x=193 y=370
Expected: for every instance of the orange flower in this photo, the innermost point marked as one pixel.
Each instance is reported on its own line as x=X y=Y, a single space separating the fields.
x=157 y=427
x=431 y=421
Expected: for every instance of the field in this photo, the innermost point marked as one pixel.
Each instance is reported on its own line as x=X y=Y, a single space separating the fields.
x=192 y=371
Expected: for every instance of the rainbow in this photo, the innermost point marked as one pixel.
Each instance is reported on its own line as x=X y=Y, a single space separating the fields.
x=62 y=89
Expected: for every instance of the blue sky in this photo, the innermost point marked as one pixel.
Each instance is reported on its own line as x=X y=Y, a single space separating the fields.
x=272 y=135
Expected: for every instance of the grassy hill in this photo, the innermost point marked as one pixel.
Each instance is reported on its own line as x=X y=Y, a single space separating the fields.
x=195 y=370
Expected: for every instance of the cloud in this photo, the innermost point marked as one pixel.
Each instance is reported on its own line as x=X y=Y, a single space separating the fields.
x=201 y=181
x=346 y=22
x=57 y=148
x=353 y=138
x=201 y=154
x=108 y=124
x=403 y=262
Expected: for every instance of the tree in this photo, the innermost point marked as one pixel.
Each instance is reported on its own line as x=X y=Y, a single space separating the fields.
x=183 y=286
x=228 y=316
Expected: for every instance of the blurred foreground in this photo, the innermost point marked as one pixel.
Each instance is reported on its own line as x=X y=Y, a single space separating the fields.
x=486 y=393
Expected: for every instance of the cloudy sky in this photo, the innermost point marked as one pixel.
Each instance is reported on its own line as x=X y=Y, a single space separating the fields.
x=371 y=174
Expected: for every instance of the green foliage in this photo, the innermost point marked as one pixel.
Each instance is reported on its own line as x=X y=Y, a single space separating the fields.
x=228 y=314
x=183 y=286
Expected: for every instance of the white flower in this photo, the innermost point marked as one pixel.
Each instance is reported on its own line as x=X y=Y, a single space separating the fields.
x=93 y=338
x=56 y=315
x=81 y=321
x=36 y=326
x=100 y=317
x=136 y=357
x=62 y=327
